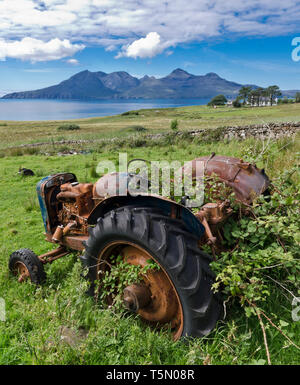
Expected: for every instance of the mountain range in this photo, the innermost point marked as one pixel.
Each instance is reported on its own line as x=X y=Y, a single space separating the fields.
x=179 y=84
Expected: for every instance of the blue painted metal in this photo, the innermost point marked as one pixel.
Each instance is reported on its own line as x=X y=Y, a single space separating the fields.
x=42 y=188
x=41 y=199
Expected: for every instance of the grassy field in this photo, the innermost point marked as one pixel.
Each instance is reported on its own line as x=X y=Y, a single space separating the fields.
x=35 y=316
x=157 y=120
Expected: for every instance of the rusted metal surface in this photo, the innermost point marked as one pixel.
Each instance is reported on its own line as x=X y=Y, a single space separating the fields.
x=58 y=234
x=53 y=255
x=245 y=179
x=213 y=216
x=75 y=242
x=164 y=306
x=217 y=212
x=77 y=203
x=21 y=271
x=136 y=297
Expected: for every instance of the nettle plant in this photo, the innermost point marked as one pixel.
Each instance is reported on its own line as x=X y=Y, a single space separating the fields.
x=118 y=275
x=263 y=247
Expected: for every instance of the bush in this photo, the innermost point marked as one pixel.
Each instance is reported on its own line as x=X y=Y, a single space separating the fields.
x=218 y=100
x=236 y=103
x=174 y=125
x=263 y=247
x=68 y=127
x=284 y=101
x=137 y=128
x=128 y=113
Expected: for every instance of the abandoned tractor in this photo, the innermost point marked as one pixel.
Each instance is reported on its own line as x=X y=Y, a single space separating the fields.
x=143 y=229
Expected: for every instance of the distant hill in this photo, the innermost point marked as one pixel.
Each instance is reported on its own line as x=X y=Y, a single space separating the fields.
x=121 y=85
x=290 y=93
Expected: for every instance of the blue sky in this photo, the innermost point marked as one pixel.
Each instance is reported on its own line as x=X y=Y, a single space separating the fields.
x=45 y=42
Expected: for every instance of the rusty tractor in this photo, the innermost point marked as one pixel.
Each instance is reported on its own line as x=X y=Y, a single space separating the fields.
x=80 y=217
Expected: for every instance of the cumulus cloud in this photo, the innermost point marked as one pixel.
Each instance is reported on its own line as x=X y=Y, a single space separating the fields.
x=126 y=24
x=145 y=47
x=36 y=50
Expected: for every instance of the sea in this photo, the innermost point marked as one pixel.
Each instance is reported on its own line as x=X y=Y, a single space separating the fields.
x=40 y=109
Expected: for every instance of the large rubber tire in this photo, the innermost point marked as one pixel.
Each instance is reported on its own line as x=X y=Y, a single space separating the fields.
x=32 y=263
x=174 y=248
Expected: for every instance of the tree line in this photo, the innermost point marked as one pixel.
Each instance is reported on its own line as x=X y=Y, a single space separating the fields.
x=253 y=96
x=258 y=96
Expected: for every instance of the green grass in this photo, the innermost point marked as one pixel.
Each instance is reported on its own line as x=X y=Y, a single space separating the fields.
x=30 y=334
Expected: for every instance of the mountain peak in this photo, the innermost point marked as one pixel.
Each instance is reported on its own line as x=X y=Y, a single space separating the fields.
x=212 y=75
x=81 y=74
x=179 y=74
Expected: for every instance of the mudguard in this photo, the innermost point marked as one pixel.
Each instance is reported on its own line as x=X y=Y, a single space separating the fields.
x=167 y=206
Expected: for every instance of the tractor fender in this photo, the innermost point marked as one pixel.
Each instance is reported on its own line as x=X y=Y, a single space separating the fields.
x=167 y=206
x=245 y=179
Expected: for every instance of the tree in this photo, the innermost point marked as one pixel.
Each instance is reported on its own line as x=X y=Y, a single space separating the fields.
x=244 y=93
x=257 y=96
x=237 y=102
x=297 y=97
x=218 y=100
x=273 y=92
x=262 y=95
x=254 y=97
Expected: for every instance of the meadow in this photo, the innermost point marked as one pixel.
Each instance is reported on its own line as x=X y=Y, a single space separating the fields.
x=36 y=316
x=153 y=121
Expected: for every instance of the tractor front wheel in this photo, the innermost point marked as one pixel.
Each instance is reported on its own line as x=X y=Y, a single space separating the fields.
x=179 y=295
x=25 y=264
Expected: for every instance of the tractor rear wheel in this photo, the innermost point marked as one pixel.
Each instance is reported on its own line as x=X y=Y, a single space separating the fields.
x=25 y=264
x=179 y=294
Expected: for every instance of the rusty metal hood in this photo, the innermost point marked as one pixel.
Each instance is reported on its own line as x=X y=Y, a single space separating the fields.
x=246 y=180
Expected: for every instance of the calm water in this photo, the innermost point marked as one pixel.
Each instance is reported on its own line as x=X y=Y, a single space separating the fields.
x=34 y=109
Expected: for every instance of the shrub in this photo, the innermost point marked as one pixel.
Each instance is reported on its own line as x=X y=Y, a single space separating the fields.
x=263 y=247
x=218 y=100
x=174 y=125
x=284 y=101
x=31 y=150
x=138 y=143
x=137 y=128
x=236 y=103
x=68 y=127
x=127 y=113
x=16 y=152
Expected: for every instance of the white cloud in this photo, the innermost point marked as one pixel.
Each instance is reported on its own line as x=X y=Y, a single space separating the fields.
x=116 y=24
x=73 y=61
x=26 y=13
x=36 y=50
x=148 y=46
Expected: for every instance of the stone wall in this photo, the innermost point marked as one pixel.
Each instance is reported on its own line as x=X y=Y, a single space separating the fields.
x=262 y=131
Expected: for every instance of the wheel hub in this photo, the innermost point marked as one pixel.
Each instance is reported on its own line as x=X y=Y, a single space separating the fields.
x=163 y=305
x=136 y=297
x=21 y=271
